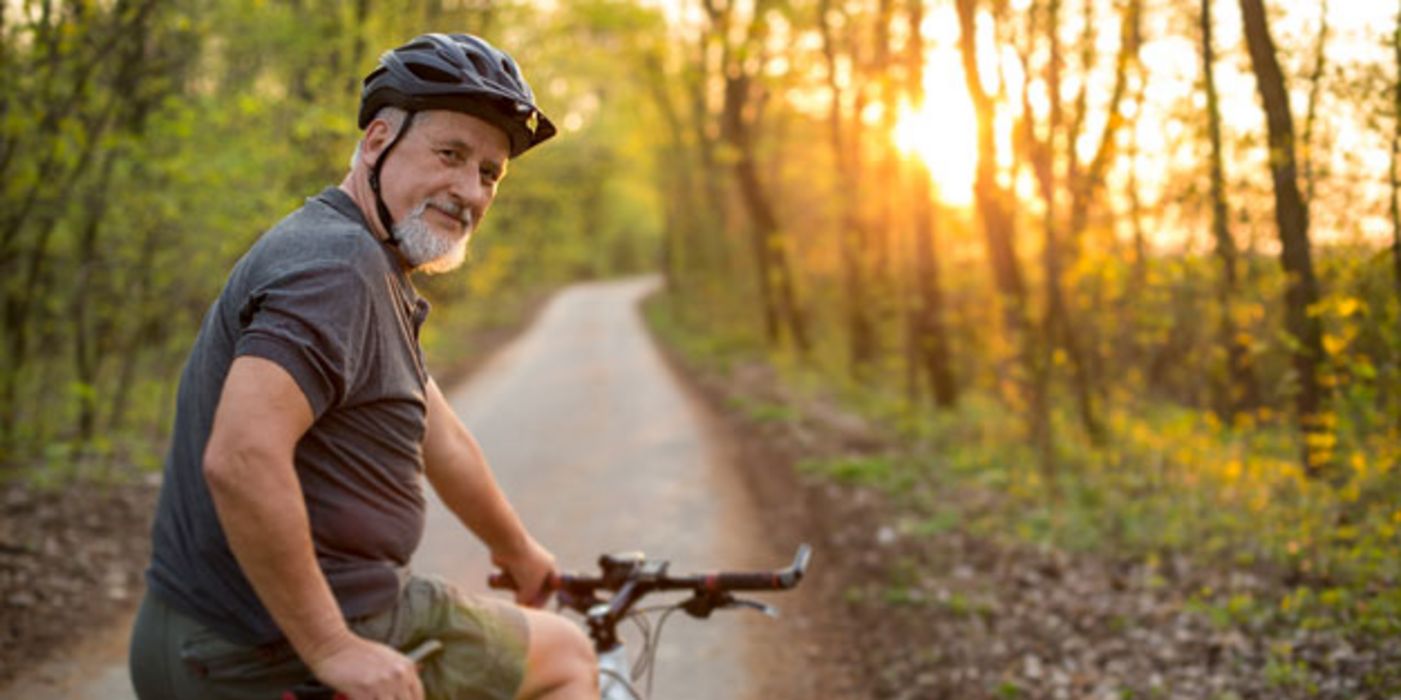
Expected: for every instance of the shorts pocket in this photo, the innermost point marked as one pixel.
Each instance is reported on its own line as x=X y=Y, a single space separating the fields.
x=212 y=657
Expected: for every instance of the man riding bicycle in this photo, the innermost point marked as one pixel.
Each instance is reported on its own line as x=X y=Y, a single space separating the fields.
x=292 y=499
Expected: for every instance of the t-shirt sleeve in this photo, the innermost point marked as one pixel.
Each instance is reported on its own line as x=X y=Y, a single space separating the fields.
x=313 y=322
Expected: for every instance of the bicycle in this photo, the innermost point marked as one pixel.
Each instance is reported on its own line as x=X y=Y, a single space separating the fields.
x=629 y=577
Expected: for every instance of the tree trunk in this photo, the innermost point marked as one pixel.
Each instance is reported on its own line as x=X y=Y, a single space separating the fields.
x=1238 y=390
x=999 y=227
x=1395 y=156
x=1039 y=154
x=1128 y=341
x=1292 y=218
x=359 y=47
x=782 y=312
x=682 y=255
x=879 y=243
x=999 y=231
x=86 y=356
x=138 y=335
x=1311 y=116
x=1085 y=186
x=707 y=139
x=927 y=328
x=1056 y=326
x=861 y=332
x=771 y=248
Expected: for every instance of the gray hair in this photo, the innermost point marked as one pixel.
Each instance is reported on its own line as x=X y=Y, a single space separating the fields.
x=394 y=116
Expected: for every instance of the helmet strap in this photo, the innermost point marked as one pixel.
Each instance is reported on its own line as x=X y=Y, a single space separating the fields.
x=381 y=208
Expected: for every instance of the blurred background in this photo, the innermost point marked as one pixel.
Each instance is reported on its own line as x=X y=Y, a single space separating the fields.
x=1134 y=265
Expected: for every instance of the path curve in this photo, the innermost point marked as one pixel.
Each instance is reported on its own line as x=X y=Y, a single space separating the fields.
x=601 y=449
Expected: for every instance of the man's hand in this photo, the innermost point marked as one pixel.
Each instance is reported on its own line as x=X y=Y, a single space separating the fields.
x=533 y=569
x=365 y=670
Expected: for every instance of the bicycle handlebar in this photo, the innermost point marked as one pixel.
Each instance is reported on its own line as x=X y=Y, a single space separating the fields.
x=629 y=577
x=621 y=569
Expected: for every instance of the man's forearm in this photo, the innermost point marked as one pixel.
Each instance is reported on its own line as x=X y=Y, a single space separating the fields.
x=469 y=489
x=260 y=507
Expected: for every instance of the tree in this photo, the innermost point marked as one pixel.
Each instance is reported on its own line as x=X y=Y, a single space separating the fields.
x=1320 y=64
x=929 y=334
x=1292 y=220
x=1395 y=156
x=994 y=205
x=1238 y=390
x=852 y=236
x=743 y=61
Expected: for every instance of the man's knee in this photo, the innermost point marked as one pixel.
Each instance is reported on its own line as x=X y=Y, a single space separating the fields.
x=560 y=655
x=562 y=641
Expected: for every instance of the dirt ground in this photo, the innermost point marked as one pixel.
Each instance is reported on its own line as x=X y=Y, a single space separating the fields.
x=71 y=561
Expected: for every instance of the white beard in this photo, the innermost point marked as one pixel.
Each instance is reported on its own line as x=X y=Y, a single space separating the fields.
x=427 y=250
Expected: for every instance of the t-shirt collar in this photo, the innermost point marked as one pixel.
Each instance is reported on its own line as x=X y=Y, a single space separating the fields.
x=337 y=199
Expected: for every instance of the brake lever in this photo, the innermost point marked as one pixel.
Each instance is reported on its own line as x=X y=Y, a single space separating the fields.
x=701 y=605
x=764 y=608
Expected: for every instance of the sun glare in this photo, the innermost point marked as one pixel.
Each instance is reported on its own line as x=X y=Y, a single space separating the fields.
x=943 y=132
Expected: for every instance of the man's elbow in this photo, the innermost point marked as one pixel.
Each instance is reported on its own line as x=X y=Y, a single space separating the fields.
x=220 y=468
x=230 y=468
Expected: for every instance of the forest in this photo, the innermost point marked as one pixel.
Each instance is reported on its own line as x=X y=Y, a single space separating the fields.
x=1134 y=265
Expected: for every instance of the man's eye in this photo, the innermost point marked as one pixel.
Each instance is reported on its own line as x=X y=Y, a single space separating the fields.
x=450 y=155
x=490 y=175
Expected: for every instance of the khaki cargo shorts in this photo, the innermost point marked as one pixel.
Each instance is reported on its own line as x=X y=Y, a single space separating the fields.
x=483 y=655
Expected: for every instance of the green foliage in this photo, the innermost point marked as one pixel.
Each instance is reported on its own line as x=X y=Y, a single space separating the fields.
x=1009 y=690
x=145 y=145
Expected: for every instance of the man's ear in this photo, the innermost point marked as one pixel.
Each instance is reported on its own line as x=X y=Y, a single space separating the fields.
x=376 y=137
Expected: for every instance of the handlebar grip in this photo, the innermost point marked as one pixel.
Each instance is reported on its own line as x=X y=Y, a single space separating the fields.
x=502 y=580
x=793 y=574
x=763 y=580
x=747 y=581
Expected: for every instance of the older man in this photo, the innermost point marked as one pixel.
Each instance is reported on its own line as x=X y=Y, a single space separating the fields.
x=306 y=421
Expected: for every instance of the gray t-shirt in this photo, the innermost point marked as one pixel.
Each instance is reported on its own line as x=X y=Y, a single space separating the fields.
x=321 y=297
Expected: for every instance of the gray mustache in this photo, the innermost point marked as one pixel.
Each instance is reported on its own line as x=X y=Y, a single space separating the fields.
x=447 y=206
x=455 y=210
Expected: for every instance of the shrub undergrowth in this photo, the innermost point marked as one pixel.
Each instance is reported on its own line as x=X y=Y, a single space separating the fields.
x=1168 y=481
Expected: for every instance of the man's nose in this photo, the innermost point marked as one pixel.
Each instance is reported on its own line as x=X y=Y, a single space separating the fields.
x=470 y=191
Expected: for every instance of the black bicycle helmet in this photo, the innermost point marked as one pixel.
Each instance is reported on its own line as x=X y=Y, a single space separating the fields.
x=458 y=72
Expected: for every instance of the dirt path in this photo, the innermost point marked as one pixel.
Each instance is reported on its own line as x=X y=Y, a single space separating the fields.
x=601 y=449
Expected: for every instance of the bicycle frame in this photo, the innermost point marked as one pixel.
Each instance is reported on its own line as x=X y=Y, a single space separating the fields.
x=614 y=675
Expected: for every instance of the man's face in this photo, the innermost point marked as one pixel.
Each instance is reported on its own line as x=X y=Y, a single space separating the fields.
x=439 y=182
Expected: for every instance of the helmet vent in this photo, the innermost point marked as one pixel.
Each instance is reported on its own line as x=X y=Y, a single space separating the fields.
x=430 y=74
x=479 y=64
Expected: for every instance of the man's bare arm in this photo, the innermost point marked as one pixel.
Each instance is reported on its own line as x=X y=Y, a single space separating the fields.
x=248 y=465
x=458 y=471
